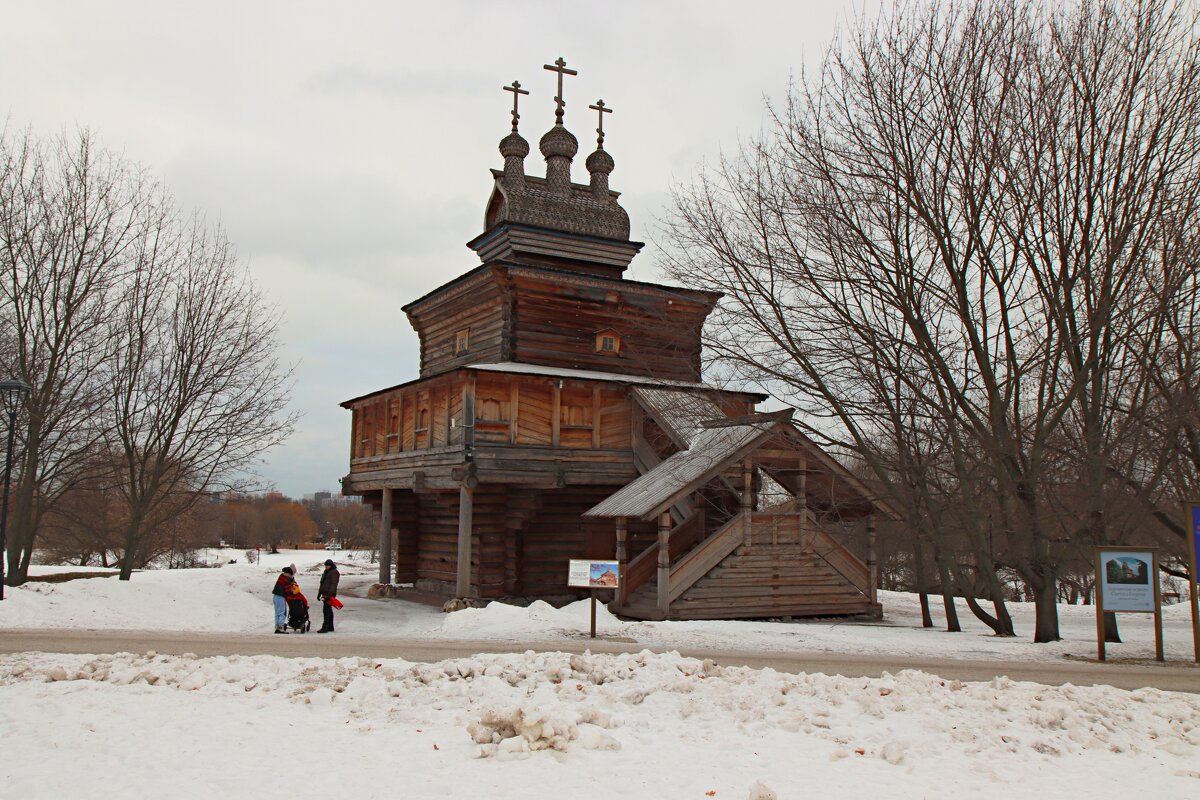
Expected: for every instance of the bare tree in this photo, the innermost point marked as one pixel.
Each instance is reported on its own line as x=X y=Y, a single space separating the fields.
x=943 y=253
x=197 y=392
x=69 y=215
x=142 y=337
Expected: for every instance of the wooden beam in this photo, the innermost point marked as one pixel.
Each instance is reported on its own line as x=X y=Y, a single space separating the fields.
x=749 y=419
x=385 y=538
x=466 y=502
x=664 y=563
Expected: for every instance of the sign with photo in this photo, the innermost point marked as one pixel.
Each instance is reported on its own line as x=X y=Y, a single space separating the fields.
x=593 y=574
x=1127 y=580
x=1195 y=509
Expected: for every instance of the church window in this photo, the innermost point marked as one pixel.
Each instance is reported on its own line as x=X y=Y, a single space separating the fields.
x=607 y=341
x=462 y=341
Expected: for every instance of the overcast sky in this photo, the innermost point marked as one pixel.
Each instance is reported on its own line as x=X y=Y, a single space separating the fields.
x=346 y=146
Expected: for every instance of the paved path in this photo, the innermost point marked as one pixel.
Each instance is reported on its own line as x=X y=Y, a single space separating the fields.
x=1176 y=676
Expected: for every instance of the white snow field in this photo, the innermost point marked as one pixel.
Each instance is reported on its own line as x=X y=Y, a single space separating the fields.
x=531 y=725
x=237 y=599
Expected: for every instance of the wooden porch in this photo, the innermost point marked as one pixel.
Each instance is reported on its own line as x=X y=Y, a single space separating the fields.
x=723 y=551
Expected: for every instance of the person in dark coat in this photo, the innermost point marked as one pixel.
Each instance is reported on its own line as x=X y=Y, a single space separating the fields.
x=326 y=592
x=279 y=595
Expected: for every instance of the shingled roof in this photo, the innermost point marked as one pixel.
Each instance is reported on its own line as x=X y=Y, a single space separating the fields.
x=711 y=452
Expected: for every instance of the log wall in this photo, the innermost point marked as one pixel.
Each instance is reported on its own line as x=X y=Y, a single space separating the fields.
x=556 y=324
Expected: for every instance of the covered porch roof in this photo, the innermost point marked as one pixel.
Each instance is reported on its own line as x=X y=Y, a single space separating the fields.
x=712 y=443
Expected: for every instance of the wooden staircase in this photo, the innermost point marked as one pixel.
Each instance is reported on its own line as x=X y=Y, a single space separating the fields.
x=787 y=566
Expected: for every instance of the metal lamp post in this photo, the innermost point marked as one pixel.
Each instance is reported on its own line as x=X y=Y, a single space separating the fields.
x=12 y=392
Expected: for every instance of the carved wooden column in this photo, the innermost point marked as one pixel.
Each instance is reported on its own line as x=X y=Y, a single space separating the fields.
x=385 y=538
x=664 y=563
x=872 y=557
x=620 y=556
x=466 y=505
x=747 y=502
x=802 y=496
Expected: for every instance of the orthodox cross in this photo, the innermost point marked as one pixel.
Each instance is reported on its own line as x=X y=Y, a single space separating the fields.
x=560 y=67
x=517 y=92
x=601 y=110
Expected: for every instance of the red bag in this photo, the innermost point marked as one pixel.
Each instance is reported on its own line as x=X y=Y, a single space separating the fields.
x=333 y=601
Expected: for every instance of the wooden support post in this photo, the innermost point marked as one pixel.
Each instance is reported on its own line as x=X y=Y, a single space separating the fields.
x=593 y=593
x=1158 y=633
x=596 y=417
x=747 y=509
x=514 y=402
x=412 y=443
x=385 y=538
x=872 y=557
x=1099 y=594
x=555 y=413
x=466 y=503
x=468 y=412
x=802 y=496
x=664 y=563
x=620 y=557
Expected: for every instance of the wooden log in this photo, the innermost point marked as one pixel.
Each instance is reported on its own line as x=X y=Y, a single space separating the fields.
x=463 y=576
x=385 y=538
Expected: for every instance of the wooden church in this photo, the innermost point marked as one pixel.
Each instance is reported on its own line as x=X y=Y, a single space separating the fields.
x=560 y=413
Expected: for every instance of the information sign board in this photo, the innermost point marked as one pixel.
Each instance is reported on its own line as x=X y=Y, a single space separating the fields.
x=593 y=574
x=1126 y=580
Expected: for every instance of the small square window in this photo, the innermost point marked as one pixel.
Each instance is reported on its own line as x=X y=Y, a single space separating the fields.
x=608 y=341
x=462 y=341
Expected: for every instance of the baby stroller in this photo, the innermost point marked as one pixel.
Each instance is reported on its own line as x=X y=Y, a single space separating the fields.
x=298 y=613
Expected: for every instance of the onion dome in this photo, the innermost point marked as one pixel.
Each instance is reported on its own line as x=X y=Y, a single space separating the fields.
x=560 y=142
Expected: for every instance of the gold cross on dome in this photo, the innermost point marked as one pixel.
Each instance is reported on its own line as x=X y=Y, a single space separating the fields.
x=560 y=67
x=517 y=92
x=601 y=110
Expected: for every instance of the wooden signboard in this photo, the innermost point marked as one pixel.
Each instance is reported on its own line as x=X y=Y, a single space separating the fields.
x=593 y=575
x=1127 y=582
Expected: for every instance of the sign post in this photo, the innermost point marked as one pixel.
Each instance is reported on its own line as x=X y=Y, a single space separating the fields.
x=1193 y=526
x=1127 y=581
x=593 y=575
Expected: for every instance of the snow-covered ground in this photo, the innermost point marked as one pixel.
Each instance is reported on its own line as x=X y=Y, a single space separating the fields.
x=236 y=598
x=539 y=725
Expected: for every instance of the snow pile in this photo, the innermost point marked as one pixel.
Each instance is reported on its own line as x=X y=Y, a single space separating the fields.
x=538 y=619
x=522 y=703
x=676 y=726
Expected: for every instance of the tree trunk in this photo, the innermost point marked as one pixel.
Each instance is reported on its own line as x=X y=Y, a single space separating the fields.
x=952 y=625
x=1045 y=627
x=1000 y=627
x=926 y=617
x=1111 y=634
x=919 y=573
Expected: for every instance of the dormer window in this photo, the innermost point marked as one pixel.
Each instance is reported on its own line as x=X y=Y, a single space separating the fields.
x=462 y=341
x=607 y=341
